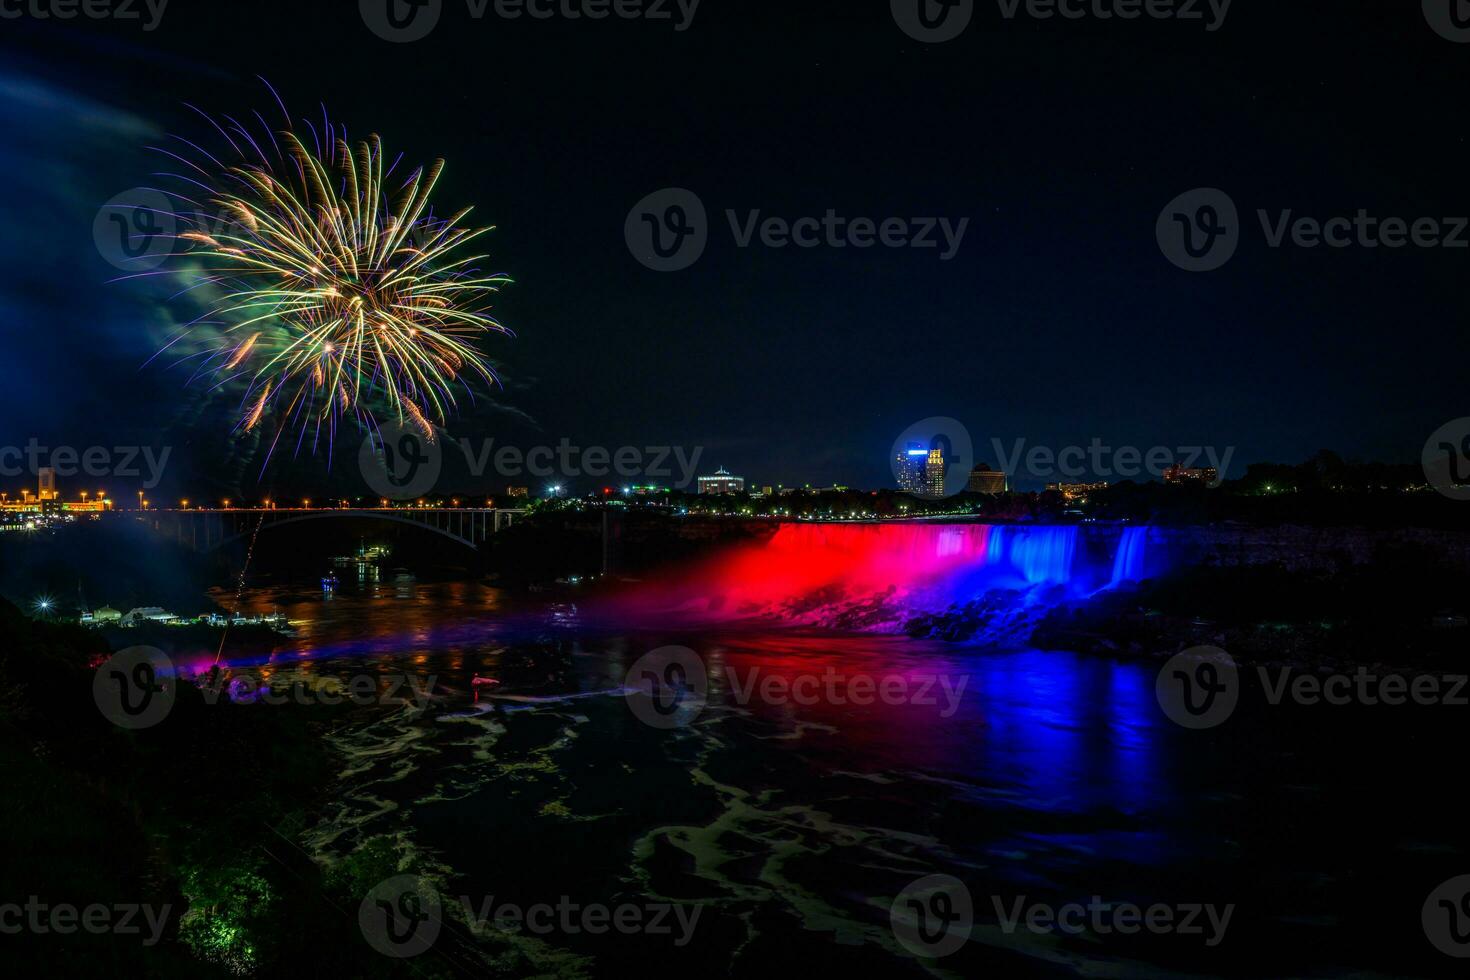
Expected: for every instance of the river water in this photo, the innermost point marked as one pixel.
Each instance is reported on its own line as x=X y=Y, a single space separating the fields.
x=791 y=822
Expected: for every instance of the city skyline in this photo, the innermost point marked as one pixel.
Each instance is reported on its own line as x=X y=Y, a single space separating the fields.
x=1179 y=348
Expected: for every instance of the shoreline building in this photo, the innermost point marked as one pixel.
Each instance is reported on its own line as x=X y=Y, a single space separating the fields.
x=983 y=479
x=47 y=499
x=721 y=482
x=1073 y=492
x=1177 y=474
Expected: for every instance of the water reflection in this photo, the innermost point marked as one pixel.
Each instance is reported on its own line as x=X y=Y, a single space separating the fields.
x=791 y=820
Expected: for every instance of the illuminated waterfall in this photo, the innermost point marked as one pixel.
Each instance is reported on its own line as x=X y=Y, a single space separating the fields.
x=881 y=576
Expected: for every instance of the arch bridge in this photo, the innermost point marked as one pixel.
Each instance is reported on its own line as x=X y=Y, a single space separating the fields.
x=206 y=529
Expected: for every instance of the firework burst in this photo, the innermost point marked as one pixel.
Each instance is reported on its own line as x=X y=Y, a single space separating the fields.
x=337 y=293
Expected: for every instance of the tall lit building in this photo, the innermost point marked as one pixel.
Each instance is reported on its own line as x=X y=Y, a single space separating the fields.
x=47 y=483
x=909 y=465
x=983 y=479
x=934 y=473
x=721 y=482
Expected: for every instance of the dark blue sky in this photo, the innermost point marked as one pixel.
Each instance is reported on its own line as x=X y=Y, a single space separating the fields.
x=1058 y=321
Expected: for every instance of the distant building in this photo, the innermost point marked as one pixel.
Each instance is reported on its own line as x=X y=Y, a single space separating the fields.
x=47 y=487
x=148 y=614
x=934 y=473
x=1072 y=492
x=721 y=482
x=909 y=465
x=983 y=479
x=99 y=617
x=1178 y=475
x=518 y=493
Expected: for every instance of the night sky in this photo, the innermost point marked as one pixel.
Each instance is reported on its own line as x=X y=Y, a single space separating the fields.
x=1059 y=320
